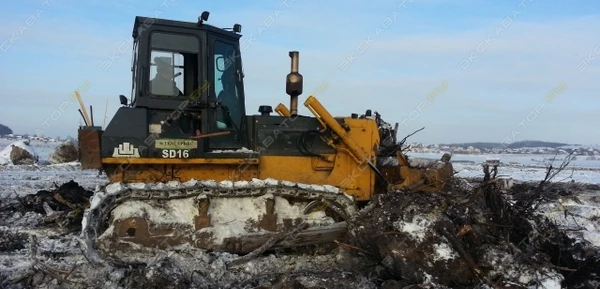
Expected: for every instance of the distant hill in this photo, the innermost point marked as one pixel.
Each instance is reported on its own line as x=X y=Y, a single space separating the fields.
x=5 y=129
x=515 y=145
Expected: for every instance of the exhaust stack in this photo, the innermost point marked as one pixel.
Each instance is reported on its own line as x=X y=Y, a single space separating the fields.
x=293 y=85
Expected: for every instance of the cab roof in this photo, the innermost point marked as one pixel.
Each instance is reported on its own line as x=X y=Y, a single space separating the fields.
x=147 y=21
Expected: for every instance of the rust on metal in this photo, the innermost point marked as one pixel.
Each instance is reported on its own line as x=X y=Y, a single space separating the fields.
x=203 y=219
x=138 y=231
x=89 y=147
x=269 y=220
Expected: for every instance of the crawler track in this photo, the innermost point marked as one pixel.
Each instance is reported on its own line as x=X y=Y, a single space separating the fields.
x=126 y=222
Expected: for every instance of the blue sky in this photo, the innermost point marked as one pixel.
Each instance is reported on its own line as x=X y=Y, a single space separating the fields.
x=493 y=62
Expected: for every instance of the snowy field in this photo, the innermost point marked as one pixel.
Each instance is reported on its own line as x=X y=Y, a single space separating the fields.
x=43 y=149
x=22 y=180
x=526 y=167
x=581 y=222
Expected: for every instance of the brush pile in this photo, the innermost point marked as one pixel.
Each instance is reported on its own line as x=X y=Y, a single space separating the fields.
x=482 y=236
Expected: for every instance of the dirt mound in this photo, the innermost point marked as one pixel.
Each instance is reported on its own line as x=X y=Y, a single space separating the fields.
x=20 y=156
x=465 y=238
x=64 y=153
x=18 y=153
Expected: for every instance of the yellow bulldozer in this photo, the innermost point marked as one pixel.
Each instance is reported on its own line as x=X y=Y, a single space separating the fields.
x=189 y=166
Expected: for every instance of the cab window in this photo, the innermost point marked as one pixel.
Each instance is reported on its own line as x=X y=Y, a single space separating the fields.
x=226 y=84
x=173 y=65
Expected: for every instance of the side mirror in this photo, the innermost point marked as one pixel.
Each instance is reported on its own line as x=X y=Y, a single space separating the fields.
x=123 y=100
x=220 y=63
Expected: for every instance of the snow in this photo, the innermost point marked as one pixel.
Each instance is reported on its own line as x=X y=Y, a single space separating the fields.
x=514 y=160
x=528 y=173
x=23 y=180
x=178 y=211
x=24 y=144
x=41 y=148
x=583 y=208
x=230 y=216
x=417 y=228
x=242 y=150
x=552 y=282
x=506 y=265
x=285 y=210
x=443 y=252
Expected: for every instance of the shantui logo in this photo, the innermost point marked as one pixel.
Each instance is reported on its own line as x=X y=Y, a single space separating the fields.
x=126 y=150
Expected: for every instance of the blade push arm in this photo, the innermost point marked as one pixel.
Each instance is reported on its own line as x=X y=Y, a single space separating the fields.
x=328 y=121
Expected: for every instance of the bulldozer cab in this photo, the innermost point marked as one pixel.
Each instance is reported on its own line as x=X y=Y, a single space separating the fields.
x=188 y=76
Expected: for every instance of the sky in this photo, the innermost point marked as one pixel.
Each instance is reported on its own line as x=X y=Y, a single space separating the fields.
x=466 y=70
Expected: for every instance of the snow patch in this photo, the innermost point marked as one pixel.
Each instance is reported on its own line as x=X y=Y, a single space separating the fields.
x=271 y=182
x=176 y=211
x=512 y=270
x=443 y=252
x=242 y=150
x=285 y=210
x=424 y=163
x=24 y=144
x=233 y=217
x=417 y=228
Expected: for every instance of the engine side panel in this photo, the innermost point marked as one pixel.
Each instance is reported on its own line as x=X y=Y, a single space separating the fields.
x=280 y=142
x=282 y=136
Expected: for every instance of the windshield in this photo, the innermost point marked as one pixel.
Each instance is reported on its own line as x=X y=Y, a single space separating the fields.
x=226 y=79
x=173 y=65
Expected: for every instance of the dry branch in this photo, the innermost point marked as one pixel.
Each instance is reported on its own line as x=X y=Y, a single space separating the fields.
x=267 y=245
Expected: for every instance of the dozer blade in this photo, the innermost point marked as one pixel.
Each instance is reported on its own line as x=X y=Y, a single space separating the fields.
x=418 y=174
x=126 y=221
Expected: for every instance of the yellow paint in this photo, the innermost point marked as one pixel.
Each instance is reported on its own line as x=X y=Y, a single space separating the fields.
x=355 y=140
x=429 y=180
x=161 y=161
x=360 y=154
x=183 y=144
x=282 y=110
x=330 y=170
x=156 y=171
